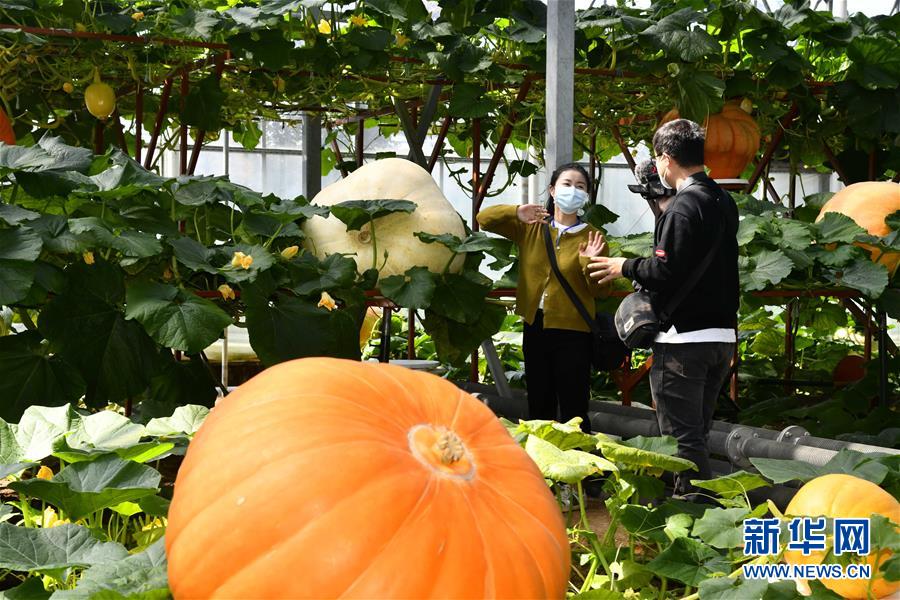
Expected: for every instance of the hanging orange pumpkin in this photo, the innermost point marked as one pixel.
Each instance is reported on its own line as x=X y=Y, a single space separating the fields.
x=847 y=497
x=869 y=203
x=7 y=135
x=323 y=477
x=732 y=140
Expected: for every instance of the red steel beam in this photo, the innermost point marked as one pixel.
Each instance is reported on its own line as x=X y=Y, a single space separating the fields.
x=438 y=144
x=160 y=115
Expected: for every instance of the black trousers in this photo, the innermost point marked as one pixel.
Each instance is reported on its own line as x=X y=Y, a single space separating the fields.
x=557 y=372
x=685 y=381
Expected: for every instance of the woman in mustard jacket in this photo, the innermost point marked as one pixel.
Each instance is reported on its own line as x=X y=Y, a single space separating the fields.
x=557 y=341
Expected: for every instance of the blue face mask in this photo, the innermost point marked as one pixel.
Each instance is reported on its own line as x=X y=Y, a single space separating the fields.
x=570 y=199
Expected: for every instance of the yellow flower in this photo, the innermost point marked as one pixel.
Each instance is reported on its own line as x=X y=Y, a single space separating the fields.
x=80 y=27
x=68 y=87
x=401 y=40
x=44 y=473
x=747 y=105
x=246 y=261
x=138 y=16
x=290 y=252
x=327 y=301
x=88 y=257
x=358 y=20
x=51 y=519
x=238 y=259
x=167 y=274
x=324 y=27
x=226 y=291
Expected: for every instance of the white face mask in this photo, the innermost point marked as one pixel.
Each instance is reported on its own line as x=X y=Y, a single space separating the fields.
x=569 y=199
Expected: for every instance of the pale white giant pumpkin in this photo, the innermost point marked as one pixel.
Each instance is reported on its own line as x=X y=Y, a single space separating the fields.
x=390 y=179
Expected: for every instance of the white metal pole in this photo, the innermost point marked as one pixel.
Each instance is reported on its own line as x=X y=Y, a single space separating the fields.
x=560 y=81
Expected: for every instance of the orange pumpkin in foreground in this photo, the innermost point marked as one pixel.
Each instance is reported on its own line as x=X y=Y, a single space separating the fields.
x=7 y=134
x=323 y=477
x=869 y=203
x=849 y=497
x=732 y=140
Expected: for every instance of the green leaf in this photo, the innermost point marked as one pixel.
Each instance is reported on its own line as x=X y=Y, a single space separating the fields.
x=869 y=278
x=36 y=549
x=564 y=436
x=794 y=234
x=290 y=327
x=31 y=589
x=732 y=485
x=105 y=431
x=184 y=422
x=728 y=588
x=699 y=94
x=637 y=457
x=19 y=248
x=847 y=462
x=13 y=469
x=115 y=357
x=567 y=466
x=139 y=576
x=193 y=254
x=677 y=37
x=203 y=106
x=334 y=272
x=721 y=527
x=357 y=213
x=689 y=562
x=175 y=318
x=661 y=445
x=835 y=227
x=196 y=24
x=599 y=216
x=457 y=297
x=83 y=488
x=884 y=533
x=875 y=63
x=412 y=290
x=54 y=231
x=33 y=376
x=838 y=257
x=455 y=341
x=13 y=215
x=267 y=47
x=38 y=430
x=469 y=101
x=94 y=232
x=19 y=245
x=767 y=267
x=50 y=153
x=661 y=524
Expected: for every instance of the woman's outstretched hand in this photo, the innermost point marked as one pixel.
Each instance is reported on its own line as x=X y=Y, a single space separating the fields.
x=594 y=246
x=532 y=213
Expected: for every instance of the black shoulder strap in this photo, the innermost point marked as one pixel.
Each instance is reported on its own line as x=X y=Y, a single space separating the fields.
x=551 y=255
x=695 y=276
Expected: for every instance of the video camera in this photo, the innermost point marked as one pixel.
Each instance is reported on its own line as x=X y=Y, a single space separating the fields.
x=650 y=185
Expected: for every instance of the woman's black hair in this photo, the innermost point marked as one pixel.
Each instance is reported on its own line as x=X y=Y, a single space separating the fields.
x=559 y=171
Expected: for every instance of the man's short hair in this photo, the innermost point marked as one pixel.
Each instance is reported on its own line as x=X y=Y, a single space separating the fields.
x=682 y=140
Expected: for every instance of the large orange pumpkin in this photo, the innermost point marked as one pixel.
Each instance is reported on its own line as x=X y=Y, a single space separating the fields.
x=849 y=497
x=732 y=140
x=869 y=203
x=323 y=477
x=7 y=134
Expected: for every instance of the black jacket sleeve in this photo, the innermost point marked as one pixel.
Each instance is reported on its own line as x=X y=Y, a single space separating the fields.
x=672 y=258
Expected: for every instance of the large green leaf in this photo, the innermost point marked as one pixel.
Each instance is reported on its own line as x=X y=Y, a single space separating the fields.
x=334 y=272
x=689 y=562
x=203 y=106
x=50 y=153
x=699 y=94
x=33 y=376
x=13 y=215
x=767 y=267
x=37 y=549
x=677 y=37
x=140 y=576
x=19 y=248
x=290 y=327
x=196 y=23
x=459 y=298
x=267 y=47
x=116 y=357
x=661 y=445
x=728 y=588
x=32 y=439
x=733 y=484
x=876 y=62
x=847 y=462
x=637 y=457
x=105 y=430
x=454 y=340
x=193 y=254
x=83 y=488
x=54 y=231
x=564 y=436
x=94 y=232
x=869 y=278
x=412 y=290
x=31 y=589
x=469 y=101
x=835 y=227
x=357 y=213
x=175 y=318
x=567 y=466
x=721 y=527
x=123 y=179
x=184 y=422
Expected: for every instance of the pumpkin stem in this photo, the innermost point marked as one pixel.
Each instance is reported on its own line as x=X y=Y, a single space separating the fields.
x=450 y=447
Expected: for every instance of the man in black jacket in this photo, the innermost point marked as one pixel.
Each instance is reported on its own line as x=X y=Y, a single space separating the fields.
x=692 y=354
